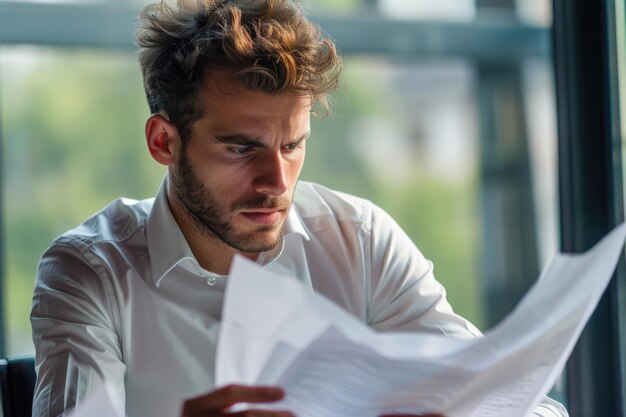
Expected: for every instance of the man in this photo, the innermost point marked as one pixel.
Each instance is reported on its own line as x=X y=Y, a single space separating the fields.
x=133 y=296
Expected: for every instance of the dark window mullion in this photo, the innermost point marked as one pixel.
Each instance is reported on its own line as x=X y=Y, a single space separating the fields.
x=590 y=192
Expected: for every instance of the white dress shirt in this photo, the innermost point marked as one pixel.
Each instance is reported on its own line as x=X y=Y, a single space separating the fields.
x=122 y=299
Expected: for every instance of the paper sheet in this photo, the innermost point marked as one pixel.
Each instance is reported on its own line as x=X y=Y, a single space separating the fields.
x=275 y=331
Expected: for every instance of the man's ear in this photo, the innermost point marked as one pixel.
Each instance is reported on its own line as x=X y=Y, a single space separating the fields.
x=162 y=139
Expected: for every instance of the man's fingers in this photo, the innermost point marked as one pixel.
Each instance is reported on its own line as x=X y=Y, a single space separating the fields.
x=231 y=395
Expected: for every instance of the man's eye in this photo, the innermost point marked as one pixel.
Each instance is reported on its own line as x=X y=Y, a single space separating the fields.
x=292 y=146
x=241 y=150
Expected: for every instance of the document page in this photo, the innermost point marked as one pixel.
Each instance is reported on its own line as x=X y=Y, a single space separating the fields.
x=276 y=331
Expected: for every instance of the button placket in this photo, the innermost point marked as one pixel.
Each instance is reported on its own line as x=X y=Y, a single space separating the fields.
x=208 y=277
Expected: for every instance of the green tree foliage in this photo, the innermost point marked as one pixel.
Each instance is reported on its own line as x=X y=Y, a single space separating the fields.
x=73 y=141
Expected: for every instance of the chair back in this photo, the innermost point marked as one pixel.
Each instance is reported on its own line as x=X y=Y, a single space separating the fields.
x=17 y=383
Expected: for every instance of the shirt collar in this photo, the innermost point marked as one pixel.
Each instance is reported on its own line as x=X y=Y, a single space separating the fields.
x=294 y=225
x=166 y=244
x=168 y=248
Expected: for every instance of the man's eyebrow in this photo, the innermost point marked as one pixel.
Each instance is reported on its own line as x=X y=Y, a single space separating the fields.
x=245 y=141
x=303 y=137
x=239 y=140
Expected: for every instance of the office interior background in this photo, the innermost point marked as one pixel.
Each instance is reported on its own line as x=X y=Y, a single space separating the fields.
x=491 y=130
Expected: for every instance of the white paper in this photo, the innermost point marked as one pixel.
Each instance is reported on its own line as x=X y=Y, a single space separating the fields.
x=276 y=331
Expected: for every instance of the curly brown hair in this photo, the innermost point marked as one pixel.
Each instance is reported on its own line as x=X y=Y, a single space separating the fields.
x=267 y=45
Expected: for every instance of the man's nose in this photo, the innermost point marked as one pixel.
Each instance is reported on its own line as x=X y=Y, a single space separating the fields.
x=271 y=176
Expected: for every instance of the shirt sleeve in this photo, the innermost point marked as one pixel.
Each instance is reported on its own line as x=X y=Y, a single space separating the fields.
x=405 y=296
x=550 y=408
x=74 y=319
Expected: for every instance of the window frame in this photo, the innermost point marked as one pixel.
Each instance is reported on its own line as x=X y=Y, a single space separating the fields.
x=591 y=188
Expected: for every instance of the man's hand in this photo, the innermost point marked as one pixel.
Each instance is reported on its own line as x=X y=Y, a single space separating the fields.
x=217 y=403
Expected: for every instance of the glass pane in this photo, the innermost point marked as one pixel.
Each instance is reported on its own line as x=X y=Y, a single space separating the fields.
x=72 y=131
x=404 y=135
x=451 y=10
x=434 y=142
x=535 y=12
x=407 y=135
x=333 y=6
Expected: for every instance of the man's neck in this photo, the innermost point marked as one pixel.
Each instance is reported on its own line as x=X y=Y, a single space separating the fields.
x=211 y=253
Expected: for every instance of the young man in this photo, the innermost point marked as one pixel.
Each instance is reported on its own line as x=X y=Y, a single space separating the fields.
x=133 y=296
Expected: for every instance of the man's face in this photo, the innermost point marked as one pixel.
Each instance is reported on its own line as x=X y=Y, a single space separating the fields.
x=236 y=174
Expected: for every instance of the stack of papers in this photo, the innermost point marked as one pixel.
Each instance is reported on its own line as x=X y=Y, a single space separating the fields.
x=276 y=331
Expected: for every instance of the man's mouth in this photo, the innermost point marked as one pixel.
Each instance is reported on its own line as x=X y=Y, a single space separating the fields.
x=264 y=216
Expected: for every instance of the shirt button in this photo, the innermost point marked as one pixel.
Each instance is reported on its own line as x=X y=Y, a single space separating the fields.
x=211 y=280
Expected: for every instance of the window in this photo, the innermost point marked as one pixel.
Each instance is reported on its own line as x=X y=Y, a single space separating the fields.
x=73 y=141
x=446 y=118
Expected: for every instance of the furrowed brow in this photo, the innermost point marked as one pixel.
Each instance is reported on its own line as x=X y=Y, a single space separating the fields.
x=303 y=138
x=239 y=140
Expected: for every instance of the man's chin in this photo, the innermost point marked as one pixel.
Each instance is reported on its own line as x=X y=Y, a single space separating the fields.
x=257 y=241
